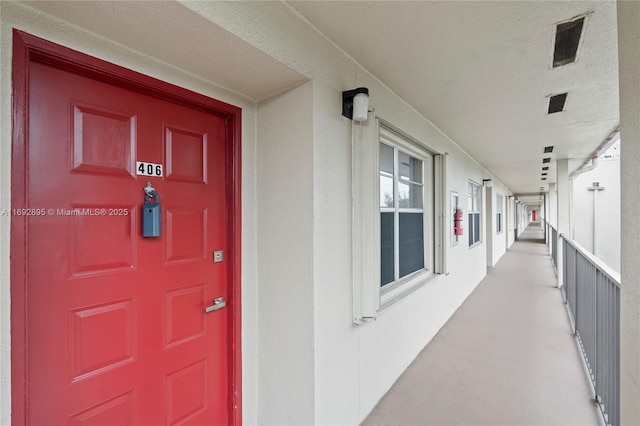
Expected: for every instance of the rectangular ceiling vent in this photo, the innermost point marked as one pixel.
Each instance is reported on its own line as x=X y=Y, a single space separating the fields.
x=556 y=103
x=544 y=178
x=546 y=160
x=567 y=40
x=545 y=168
x=548 y=149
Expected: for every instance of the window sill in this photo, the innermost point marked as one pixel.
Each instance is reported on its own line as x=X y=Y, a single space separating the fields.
x=404 y=290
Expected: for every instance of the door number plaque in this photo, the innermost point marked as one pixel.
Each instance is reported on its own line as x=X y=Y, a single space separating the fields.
x=148 y=169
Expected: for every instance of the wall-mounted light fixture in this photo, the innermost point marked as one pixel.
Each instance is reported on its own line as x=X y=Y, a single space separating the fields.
x=487 y=183
x=355 y=104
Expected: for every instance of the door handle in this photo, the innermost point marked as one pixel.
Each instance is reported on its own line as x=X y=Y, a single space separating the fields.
x=218 y=303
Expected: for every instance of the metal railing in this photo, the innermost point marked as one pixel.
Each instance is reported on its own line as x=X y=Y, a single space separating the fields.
x=591 y=291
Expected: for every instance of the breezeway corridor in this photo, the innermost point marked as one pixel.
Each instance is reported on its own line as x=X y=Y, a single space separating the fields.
x=506 y=357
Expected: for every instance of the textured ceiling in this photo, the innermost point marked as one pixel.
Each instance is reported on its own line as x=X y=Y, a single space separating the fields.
x=481 y=72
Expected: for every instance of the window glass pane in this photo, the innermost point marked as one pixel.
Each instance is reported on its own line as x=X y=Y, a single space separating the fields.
x=386 y=191
x=386 y=248
x=409 y=196
x=476 y=227
x=386 y=159
x=470 y=221
x=476 y=198
x=411 y=247
x=409 y=168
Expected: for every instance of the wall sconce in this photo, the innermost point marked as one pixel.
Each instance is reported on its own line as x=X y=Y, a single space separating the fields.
x=355 y=104
x=487 y=183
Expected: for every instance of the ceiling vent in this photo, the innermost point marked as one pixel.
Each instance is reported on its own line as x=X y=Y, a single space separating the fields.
x=548 y=149
x=567 y=40
x=556 y=104
x=544 y=178
x=544 y=174
x=546 y=160
x=545 y=168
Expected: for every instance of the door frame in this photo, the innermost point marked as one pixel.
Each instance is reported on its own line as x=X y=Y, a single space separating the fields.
x=28 y=48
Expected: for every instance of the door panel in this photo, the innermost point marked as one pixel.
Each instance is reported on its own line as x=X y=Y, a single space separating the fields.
x=117 y=330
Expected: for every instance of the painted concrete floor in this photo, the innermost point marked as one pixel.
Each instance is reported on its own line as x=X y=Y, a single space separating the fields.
x=507 y=356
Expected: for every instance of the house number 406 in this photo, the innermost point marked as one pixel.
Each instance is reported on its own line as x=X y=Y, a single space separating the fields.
x=149 y=169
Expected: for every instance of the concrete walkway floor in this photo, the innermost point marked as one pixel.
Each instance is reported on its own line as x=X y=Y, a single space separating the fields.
x=506 y=357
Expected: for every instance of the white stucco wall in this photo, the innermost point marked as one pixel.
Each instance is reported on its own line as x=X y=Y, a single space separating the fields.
x=607 y=173
x=303 y=359
x=285 y=258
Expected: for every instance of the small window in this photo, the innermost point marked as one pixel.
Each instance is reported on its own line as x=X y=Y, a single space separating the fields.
x=499 y=214
x=473 y=207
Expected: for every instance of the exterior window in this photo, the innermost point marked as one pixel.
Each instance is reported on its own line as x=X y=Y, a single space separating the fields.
x=404 y=199
x=474 y=206
x=398 y=191
x=499 y=215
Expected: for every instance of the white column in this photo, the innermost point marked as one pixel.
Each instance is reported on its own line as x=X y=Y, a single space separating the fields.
x=564 y=196
x=563 y=213
x=595 y=224
x=489 y=221
x=629 y=68
x=553 y=206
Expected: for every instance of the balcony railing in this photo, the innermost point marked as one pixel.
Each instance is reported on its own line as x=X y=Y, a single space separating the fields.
x=591 y=291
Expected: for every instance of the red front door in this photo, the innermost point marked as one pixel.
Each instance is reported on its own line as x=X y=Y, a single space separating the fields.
x=116 y=325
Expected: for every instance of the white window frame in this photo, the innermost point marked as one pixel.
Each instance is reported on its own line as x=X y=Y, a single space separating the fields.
x=369 y=298
x=499 y=213
x=474 y=206
x=400 y=285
